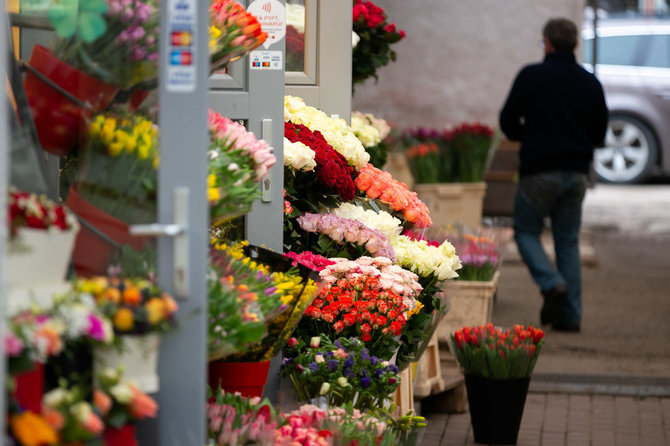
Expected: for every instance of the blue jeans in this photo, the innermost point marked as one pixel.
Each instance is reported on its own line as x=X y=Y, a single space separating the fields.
x=559 y=196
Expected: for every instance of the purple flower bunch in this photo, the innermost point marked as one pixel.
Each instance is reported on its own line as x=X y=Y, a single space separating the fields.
x=139 y=22
x=345 y=230
x=343 y=372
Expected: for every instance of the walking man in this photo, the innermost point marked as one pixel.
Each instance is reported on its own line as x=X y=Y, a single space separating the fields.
x=557 y=110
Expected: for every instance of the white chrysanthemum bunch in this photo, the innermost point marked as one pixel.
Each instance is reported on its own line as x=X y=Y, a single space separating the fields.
x=426 y=260
x=367 y=134
x=386 y=223
x=298 y=156
x=336 y=131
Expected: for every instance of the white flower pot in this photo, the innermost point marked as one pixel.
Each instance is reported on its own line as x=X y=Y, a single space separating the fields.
x=139 y=358
x=38 y=257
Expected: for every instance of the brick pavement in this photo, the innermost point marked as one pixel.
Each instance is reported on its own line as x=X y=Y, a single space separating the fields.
x=554 y=419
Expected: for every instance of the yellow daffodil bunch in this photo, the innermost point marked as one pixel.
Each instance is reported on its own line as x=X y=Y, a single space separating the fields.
x=118 y=166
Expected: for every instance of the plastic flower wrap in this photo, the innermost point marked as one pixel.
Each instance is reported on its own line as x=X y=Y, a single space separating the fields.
x=118 y=167
x=372 y=132
x=370 y=298
x=28 y=210
x=343 y=237
x=493 y=353
x=336 y=131
x=135 y=306
x=120 y=402
x=331 y=178
x=233 y=33
x=380 y=185
x=113 y=40
x=237 y=162
x=74 y=418
x=343 y=371
x=376 y=34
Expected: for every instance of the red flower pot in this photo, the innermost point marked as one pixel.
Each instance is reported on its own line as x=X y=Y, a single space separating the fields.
x=57 y=117
x=29 y=388
x=92 y=252
x=125 y=436
x=247 y=378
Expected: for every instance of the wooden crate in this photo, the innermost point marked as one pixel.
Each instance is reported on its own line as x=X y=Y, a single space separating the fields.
x=428 y=378
x=403 y=396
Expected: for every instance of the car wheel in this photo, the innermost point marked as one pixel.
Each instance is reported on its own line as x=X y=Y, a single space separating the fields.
x=629 y=153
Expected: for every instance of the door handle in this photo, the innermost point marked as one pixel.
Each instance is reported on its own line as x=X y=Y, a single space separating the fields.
x=179 y=233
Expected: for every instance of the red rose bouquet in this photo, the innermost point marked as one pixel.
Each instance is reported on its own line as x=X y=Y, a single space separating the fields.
x=376 y=35
x=28 y=210
x=331 y=178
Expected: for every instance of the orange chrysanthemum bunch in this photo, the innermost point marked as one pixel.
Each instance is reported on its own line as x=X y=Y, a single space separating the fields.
x=381 y=185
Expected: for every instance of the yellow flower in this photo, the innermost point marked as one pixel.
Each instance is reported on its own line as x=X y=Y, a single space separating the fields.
x=213 y=194
x=155 y=162
x=214 y=34
x=31 y=430
x=123 y=320
x=107 y=131
x=211 y=180
x=155 y=310
x=95 y=127
x=115 y=149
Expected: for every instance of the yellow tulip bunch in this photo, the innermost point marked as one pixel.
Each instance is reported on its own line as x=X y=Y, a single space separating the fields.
x=118 y=166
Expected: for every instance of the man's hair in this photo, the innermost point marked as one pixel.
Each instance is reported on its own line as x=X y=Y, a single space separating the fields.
x=562 y=33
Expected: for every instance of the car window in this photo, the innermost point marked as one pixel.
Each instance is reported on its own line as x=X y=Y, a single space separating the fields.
x=658 y=53
x=613 y=50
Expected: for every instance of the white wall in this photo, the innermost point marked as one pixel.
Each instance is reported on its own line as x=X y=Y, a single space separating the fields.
x=458 y=59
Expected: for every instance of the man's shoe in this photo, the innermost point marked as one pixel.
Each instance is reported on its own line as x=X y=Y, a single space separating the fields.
x=553 y=301
x=572 y=328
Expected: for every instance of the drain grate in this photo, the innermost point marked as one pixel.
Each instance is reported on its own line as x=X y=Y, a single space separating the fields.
x=600 y=384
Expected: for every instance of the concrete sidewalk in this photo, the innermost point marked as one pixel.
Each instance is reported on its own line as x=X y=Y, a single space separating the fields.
x=608 y=384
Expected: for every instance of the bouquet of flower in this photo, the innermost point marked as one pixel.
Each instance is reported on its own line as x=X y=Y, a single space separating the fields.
x=26 y=210
x=372 y=132
x=112 y=40
x=237 y=162
x=120 y=403
x=335 y=131
x=67 y=412
x=342 y=425
x=310 y=260
x=314 y=172
x=376 y=35
x=460 y=154
x=341 y=371
x=343 y=237
x=135 y=306
x=380 y=185
x=79 y=319
x=29 y=428
x=492 y=353
x=295 y=36
x=32 y=336
x=480 y=256
x=233 y=33
x=374 y=217
x=472 y=146
x=234 y=420
x=433 y=263
x=367 y=298
x=118 y=167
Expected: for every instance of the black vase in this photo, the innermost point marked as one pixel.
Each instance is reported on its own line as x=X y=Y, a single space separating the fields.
x=496 y=407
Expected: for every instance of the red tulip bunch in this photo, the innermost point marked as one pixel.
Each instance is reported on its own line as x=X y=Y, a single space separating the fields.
x=490 y=352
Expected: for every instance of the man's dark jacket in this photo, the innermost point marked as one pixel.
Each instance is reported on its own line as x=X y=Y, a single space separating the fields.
x=557 y=110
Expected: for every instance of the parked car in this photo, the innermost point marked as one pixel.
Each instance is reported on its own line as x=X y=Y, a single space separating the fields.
x=634 y=68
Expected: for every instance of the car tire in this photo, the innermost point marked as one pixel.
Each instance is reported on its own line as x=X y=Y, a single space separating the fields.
x=630 y=151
